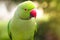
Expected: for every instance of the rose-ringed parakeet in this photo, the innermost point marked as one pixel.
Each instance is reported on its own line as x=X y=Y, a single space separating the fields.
x=23 y=24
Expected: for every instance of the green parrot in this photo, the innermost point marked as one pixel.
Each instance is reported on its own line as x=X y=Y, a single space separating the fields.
x=23 y=24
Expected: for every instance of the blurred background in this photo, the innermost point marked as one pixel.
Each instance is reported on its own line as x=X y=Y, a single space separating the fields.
x=49 y=28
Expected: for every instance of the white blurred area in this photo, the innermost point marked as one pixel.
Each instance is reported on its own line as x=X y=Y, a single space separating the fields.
x=4 y=13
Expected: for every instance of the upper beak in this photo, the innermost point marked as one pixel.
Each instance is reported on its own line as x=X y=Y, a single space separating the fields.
x=33 y=13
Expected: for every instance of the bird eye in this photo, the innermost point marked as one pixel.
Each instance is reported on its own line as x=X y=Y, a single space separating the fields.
x=25 y=9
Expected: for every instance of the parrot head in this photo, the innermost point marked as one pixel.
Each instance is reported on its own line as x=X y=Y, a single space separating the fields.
x=26 y=10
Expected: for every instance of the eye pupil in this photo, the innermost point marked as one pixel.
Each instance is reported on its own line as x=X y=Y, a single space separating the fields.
x=25 y=9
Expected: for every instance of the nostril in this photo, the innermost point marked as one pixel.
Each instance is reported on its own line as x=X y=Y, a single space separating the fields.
x=33 y=13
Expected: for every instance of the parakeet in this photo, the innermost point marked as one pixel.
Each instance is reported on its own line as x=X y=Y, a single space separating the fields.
x=23 y=24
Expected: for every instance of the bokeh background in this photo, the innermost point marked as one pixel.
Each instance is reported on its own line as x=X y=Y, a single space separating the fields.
x=49 y=26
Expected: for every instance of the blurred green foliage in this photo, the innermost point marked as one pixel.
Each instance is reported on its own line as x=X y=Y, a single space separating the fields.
x=52 y=27
x=4 y=30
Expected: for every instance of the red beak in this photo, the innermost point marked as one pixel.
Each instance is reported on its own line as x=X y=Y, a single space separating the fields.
x=33 y=13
